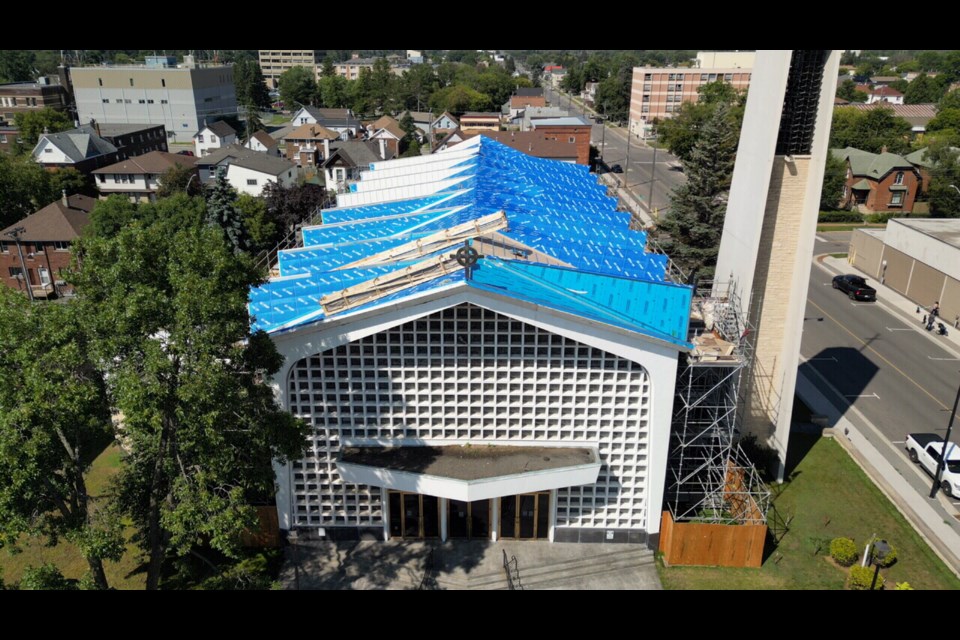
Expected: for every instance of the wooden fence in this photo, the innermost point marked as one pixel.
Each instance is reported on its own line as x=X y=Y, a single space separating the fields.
x=267 y=534
x=718 y=545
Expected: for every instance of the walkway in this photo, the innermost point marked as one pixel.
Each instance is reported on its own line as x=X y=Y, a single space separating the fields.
x=466 y=565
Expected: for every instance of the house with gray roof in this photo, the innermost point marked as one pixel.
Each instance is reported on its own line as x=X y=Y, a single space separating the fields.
x=348 y=159
x=878 y=182
x=340 y=120
x=246 y=170
x=81 y=148
x=213 y=136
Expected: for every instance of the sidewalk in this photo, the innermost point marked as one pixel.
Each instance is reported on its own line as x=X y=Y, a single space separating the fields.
x=935 y=520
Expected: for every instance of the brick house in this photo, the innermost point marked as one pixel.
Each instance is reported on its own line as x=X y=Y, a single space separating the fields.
x=42 y=247
x=309 y=144
x=878 y=182
x=571 y=129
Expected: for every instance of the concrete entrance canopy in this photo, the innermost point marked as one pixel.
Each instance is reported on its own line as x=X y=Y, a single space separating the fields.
x=470 y=473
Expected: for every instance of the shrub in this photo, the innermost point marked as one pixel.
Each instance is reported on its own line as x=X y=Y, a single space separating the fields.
x=887 y=561
x=903 y=586
x=843 y=551
x=839 y=216
x=883 y=217
x=46 y=577
x=862 y=577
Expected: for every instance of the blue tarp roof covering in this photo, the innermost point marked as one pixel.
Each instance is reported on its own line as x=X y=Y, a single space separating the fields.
x=555 y=208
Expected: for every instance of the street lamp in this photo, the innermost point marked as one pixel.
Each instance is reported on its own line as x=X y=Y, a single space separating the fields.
x=946 y=444
x=15 y=233
x=954 y=187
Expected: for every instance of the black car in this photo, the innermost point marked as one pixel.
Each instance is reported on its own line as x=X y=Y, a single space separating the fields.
x=616 y=169
x=855 y=287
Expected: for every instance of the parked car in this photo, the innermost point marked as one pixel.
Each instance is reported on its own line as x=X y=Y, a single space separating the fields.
x=855 y=287
x=927 y=449
x=185 y=153
x=616 y=169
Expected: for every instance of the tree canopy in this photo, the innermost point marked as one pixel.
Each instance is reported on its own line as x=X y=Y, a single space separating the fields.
x=34 y=123
x=297 y=87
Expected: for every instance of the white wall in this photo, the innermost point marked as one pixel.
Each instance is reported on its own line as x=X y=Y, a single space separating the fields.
x=211 y=141
x=238 y=178
x=926 y=248
x=48 y=153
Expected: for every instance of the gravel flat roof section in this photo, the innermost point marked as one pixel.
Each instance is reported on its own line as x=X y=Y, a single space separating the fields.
x=469 y=462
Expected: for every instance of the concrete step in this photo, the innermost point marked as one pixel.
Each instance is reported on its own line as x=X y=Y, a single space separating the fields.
x=544 y=578
x=613 y=552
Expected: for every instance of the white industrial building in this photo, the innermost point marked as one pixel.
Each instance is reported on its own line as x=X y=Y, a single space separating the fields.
x=483 y=350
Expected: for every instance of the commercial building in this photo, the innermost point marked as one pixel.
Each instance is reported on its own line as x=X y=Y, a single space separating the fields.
x=20 y=97
x=96 y=145
x=138 y=178
x=180 y=98
x=483 y=349
x=658 y=92
x=274 y=62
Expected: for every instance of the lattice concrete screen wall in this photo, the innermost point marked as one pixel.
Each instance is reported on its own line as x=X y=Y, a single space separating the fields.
x=467 y=374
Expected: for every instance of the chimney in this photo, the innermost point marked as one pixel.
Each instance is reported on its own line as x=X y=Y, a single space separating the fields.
x=65 y=201
x=383 y=149
x=883 y=149
x=95 y=125
x=326 y=148
x=313 y=132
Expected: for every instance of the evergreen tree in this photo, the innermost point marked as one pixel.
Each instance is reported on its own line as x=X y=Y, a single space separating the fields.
x=690 y=232
x=222 y=213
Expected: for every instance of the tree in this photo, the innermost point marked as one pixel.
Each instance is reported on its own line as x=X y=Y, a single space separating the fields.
x=222 y=214
x=694 y=223
x=180 y=178
x=407 y=123
x=24 y=188
x=923 y=89
x=870 y=130
x=71 y=181
x=332 y=92
x=289 y=206
x=328 y=70
x=16 y=65
x=458 y=99
x=681 y=133
x=32 y=124
x=251 y=89
x=297 y=87
x=949 y=100
x=46 y=577
x=264 y=233
x=944 y=199
x=412 y=149
x=834 y=179
x=54 y=419
x=946 y=119
x=166 y=303
x=849 y=92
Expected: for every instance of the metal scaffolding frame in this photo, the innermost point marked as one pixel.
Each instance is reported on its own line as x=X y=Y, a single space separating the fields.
x=709 y=478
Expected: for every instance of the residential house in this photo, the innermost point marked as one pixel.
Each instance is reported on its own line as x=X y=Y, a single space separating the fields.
x=881 y=93
x=248 y=171
x=525 y=118
x=518 y=103
x=480 y=120
x=309 y=144
x=213 y=136
x=445 y=123
x=340 y=120
x=139 y=178
x=589 y=93
x=445 y=140
x=80 y=148
x=9 y=137
x=878 y=182
x=95 y=145
x=387 y=128
x=570 y=129
x=536 y=144
x=348 y=159
x=262 y=141
x=422 y=120
x=42 y=249
x=414 y=56
x=22 y=97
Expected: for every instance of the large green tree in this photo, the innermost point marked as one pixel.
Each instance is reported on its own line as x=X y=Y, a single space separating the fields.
x=297 y=87
x=681 y=133
x=251 y=89
x=834 y=179
x=166 y=303
x=24 y=188
x=924 y=89
x=849 y=92
x=180 y=178
x=870 y=130
x=222 y=213
x=16 y=65
x=54 y=420
x=690 y=232
x=944 y=177
x=32 y=124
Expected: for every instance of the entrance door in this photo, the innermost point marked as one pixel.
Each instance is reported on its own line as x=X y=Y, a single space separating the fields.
x=414 y=516
x=44 y=276
x=525 y=516
x=469 y=519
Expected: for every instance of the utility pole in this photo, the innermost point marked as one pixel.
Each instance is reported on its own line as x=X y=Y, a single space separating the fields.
x=15 y=234
x=653 y=178
x=945 y=450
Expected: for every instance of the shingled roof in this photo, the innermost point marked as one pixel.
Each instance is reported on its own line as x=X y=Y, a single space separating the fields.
x=56 y=221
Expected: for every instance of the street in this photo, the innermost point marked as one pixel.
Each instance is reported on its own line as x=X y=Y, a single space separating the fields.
x=636 y=174
x=895 y=376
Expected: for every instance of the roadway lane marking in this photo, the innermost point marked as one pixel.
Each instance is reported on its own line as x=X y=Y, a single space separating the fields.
x=821 y=239
x=862 y=304
x=831 y=359
x=872 y=395
x=879 y=355
x=898 y=442
x=900 y=329
x=932 y=358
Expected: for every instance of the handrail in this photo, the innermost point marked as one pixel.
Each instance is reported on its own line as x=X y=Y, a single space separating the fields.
x=512 y=570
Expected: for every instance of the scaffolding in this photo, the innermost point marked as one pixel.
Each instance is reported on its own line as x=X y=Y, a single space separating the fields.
x=709 y=478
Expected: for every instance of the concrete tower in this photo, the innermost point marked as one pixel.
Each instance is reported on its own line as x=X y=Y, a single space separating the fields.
x=768 y=232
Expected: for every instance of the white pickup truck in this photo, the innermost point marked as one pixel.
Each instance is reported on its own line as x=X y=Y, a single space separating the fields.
x=927 y=449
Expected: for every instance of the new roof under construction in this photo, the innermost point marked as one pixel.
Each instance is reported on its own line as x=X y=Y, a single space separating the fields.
x=478 y=215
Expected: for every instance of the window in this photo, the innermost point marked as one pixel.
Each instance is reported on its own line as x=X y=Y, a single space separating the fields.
x=3 y=138
x=106 y=101
x=728 y=77
x=16 y=272
x=48 y=150
x=128 y=101
x=163 y=102
x=4 y=247
x=672 y=77
x=899 y=179
x=646 y=97
x=61 y=245
x=896 y=199
x=131 y=82
x=252 y=182
x=713 y=77
x=163 y=82
x=648 y=76
x=38 y=247
x=119 y=100
x=100 y=81
x=571 y=139
x=646 y=86
x=149 y=101
x=142 y=101
x=102 y=178
x=703 y=77
x=213 y=138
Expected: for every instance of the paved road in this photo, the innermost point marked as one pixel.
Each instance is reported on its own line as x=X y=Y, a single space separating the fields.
x=613 y=146
x=896 y=376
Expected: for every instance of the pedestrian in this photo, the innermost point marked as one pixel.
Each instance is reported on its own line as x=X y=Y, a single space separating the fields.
x=935 y=309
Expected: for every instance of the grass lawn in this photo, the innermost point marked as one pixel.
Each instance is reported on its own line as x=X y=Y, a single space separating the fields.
x=827 y=496
x=277 y=119
x=847 y=226
x=121 y=575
